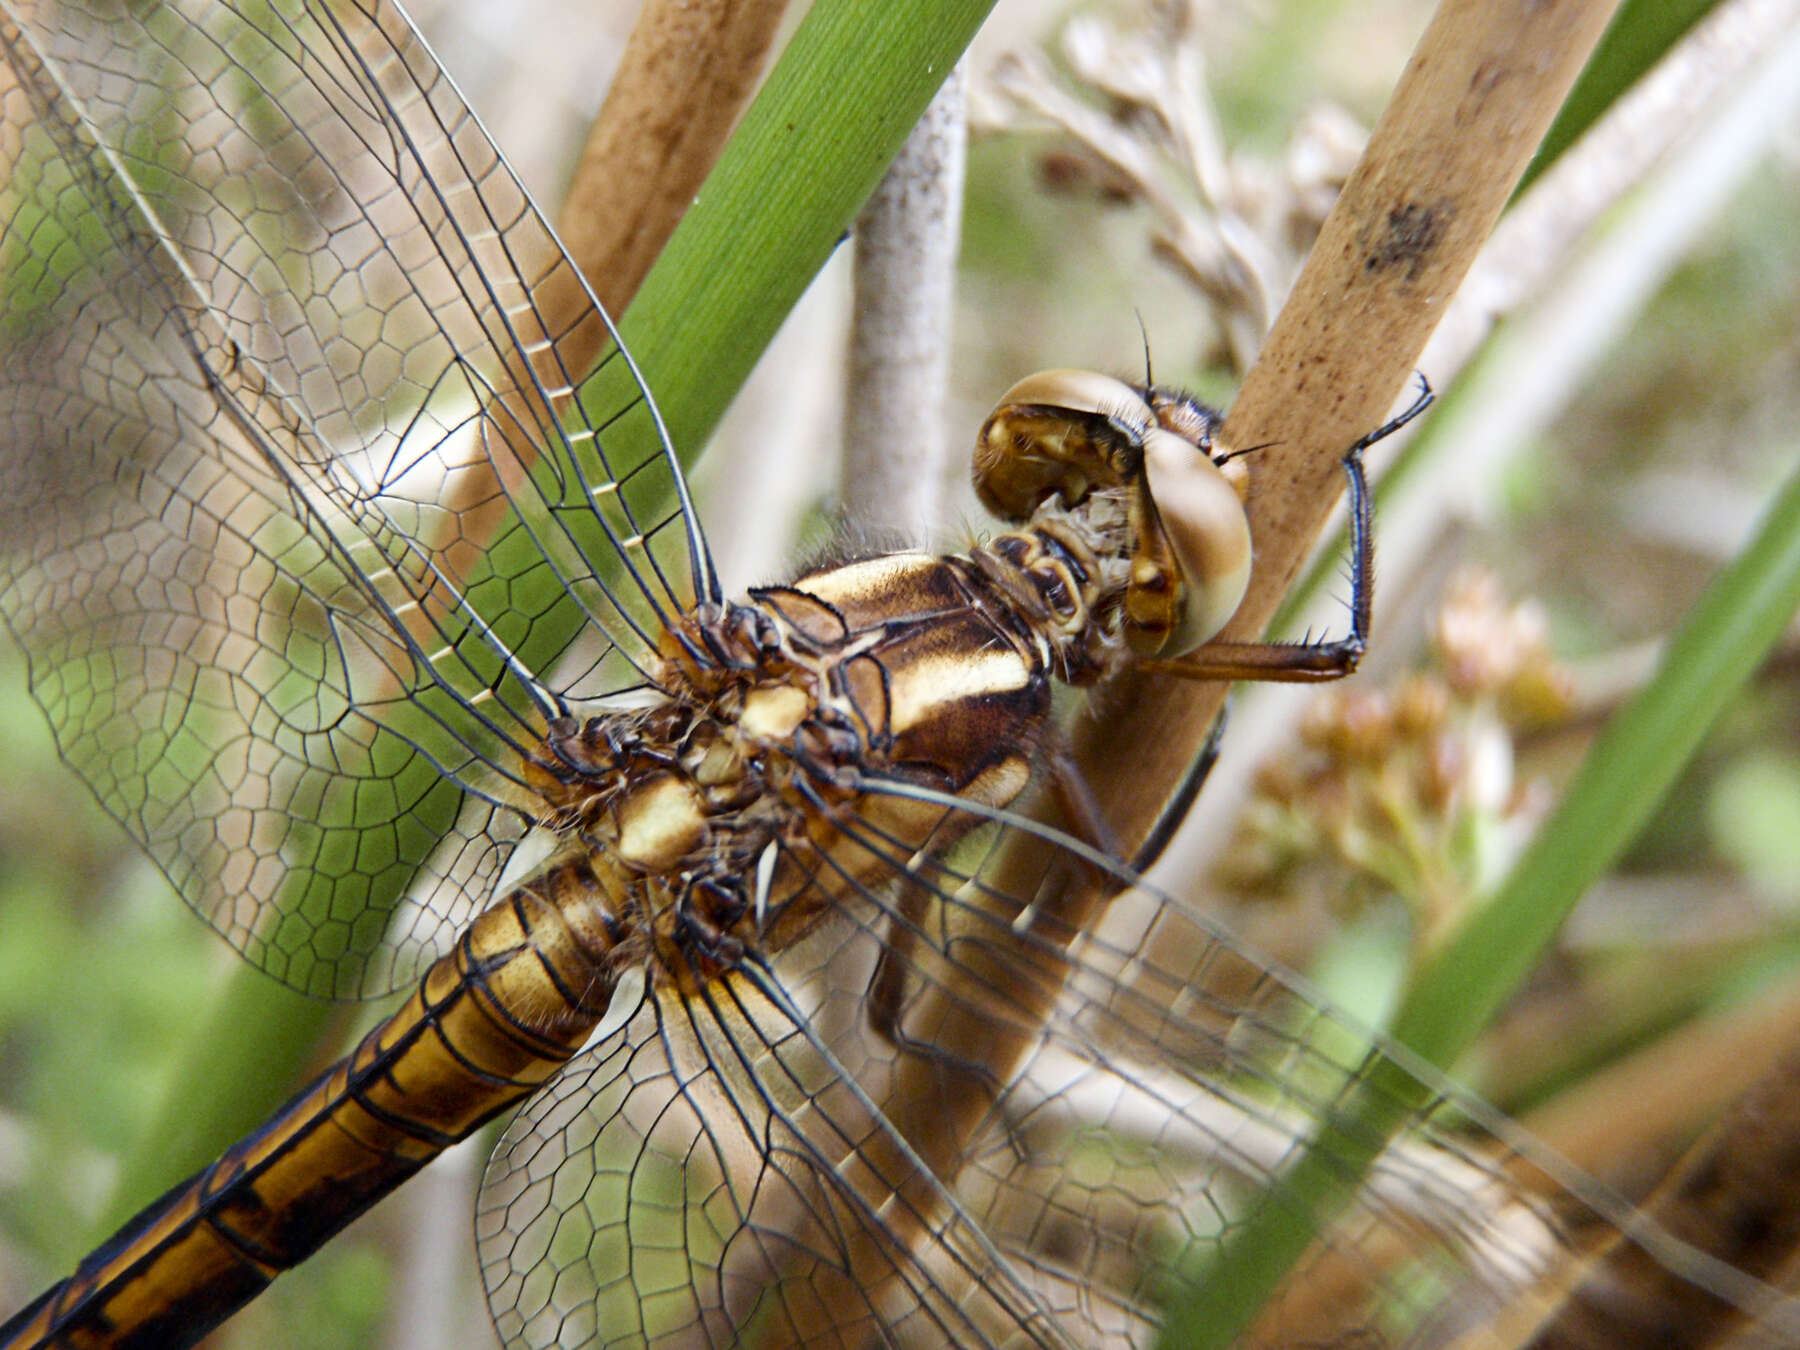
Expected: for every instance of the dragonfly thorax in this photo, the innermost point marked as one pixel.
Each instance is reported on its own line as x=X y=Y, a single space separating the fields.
x=782 y=770
x=760 y=795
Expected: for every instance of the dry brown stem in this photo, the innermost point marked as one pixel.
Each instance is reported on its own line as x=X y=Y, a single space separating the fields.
x=1736 y=1197
x=1468 y=113
x=1464 y=121
x=688 y=70
x=1541 y=241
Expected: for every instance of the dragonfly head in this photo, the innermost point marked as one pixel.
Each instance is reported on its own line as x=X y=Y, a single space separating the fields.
x=1068 y=433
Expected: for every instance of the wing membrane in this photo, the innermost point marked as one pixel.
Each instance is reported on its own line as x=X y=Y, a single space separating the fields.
x=1061 y=1127
x=307 y=509
x=313 y=518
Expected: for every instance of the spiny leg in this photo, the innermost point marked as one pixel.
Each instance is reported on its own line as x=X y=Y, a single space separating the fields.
x=1309 y=662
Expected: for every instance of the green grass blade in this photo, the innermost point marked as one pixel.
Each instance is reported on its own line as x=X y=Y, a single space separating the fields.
x=1640 y=35
x=1624 y=778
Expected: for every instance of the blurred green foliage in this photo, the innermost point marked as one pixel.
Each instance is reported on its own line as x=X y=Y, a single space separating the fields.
x=102 y=971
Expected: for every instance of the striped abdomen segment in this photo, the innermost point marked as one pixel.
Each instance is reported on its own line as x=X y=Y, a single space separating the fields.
x=487 y=1024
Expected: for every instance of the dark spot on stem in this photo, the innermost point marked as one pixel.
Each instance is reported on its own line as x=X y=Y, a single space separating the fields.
x=1413 y=232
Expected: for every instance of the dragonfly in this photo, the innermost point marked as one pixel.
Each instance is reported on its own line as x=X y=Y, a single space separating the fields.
x=393 y=638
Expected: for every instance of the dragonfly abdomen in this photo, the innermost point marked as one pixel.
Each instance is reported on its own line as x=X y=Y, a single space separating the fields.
x=488 y=1023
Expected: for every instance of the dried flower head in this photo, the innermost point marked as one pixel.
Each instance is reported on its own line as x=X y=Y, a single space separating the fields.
x=1408 y=791
x=1135 y=123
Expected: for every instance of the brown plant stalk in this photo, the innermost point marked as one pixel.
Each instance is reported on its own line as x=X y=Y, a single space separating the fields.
x=1478 y=94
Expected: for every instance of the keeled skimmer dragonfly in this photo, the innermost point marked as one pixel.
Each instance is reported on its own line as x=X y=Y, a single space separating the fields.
x=350 y=601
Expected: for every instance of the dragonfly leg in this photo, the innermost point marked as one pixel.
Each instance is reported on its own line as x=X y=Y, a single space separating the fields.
x=1181 y=801
x=1080 y=807
x=908 y=941
x=1310 y=662
x=908 y=948
x=887 y=987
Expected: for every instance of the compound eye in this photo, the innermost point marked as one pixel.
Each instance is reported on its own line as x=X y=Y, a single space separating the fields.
x=1059 y=432
x=1080 y=391
x=1202 y=516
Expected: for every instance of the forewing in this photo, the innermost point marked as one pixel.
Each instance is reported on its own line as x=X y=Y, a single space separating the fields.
x=308 y=527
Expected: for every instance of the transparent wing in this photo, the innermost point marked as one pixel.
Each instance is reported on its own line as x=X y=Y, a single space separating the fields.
x=1083 y=1099
x=303 y=471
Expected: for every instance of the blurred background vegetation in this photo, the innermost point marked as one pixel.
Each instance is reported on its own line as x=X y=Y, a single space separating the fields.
x=1608 y=521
